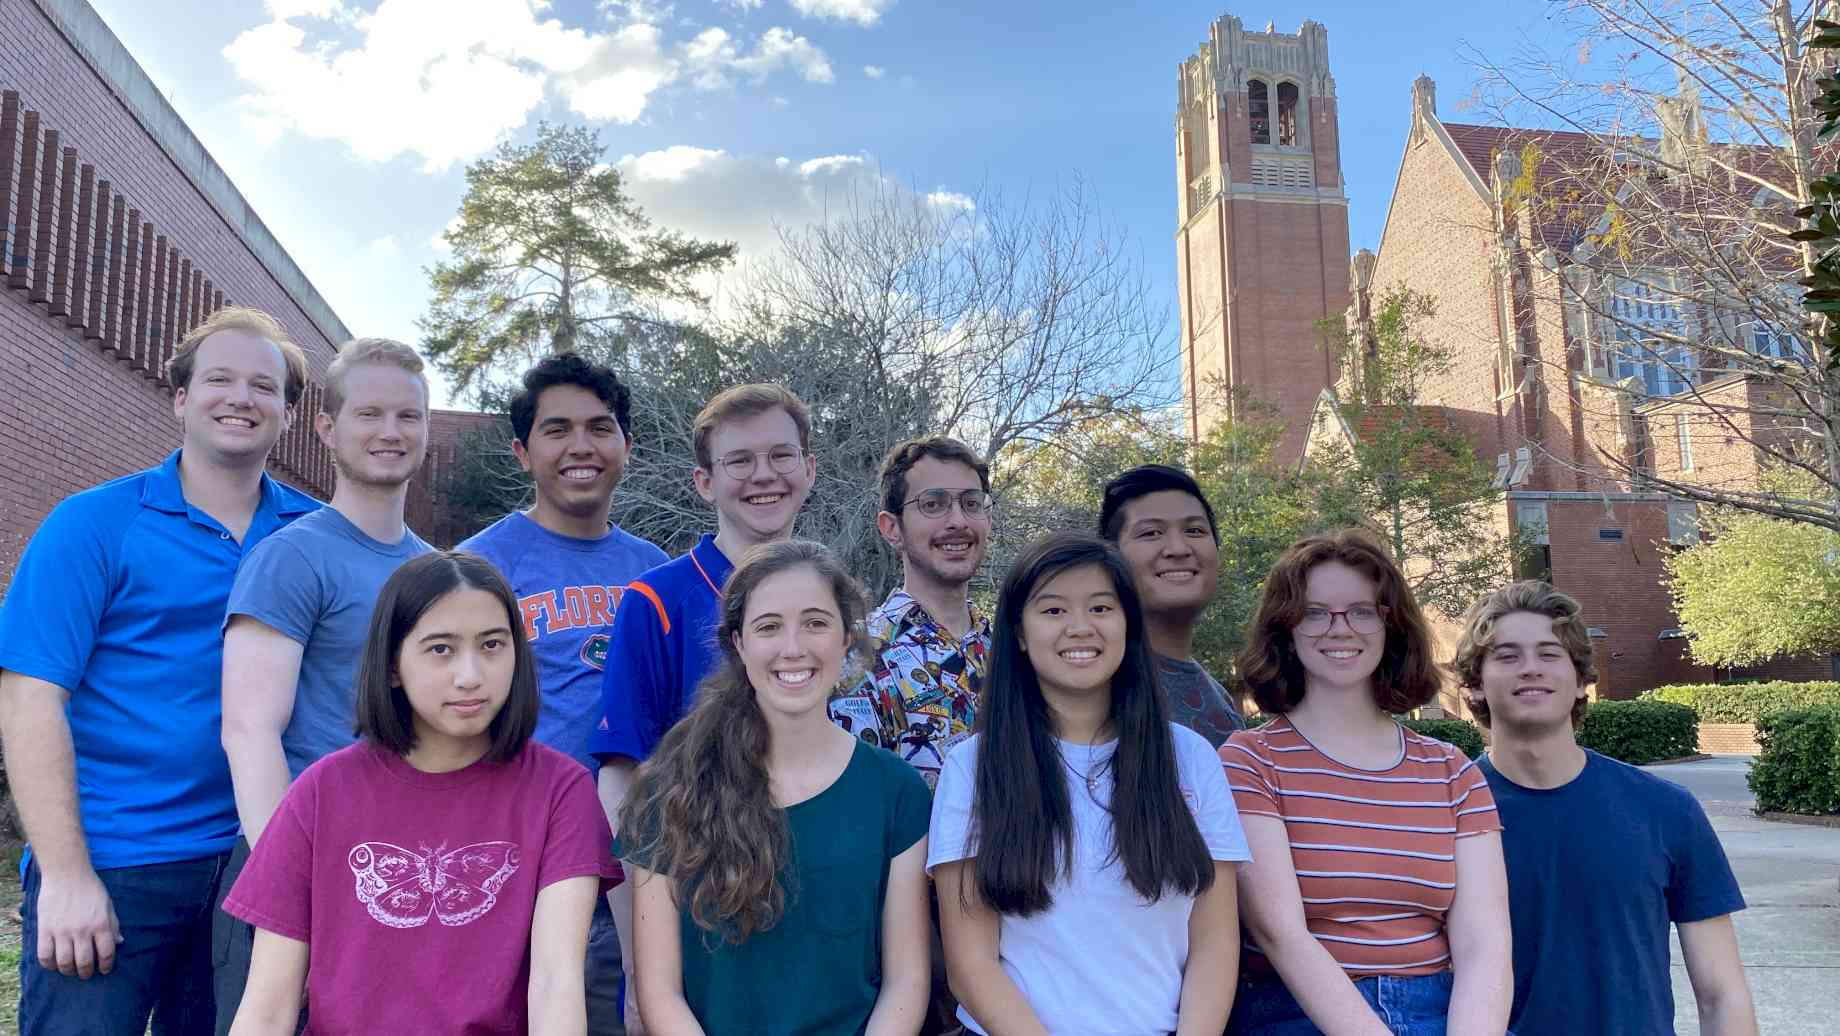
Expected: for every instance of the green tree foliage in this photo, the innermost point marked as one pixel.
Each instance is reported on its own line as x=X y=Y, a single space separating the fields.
x=1004 y=326
x=1410 y=473
x=550 y=253
x=1757 y=587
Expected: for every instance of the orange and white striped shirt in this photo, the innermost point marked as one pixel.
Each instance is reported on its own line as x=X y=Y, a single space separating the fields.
x=1374 y=850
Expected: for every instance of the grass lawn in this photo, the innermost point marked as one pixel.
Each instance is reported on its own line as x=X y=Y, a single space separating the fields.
x=9 y=937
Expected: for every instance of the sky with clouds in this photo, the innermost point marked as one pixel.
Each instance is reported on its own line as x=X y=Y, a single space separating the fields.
x=348 y=123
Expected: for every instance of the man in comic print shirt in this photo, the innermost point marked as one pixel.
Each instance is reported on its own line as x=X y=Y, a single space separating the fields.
x=925 y=673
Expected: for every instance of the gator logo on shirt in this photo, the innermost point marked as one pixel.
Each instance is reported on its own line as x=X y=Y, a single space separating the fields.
x=594 y=650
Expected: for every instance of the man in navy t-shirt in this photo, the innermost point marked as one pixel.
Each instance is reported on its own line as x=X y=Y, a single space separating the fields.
x=571 y=427
x=1601 y=856
x=112 y=654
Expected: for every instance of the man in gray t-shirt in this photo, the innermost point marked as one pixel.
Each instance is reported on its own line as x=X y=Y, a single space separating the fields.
x=1164 y=528
x=317 y=587
x=300 y=609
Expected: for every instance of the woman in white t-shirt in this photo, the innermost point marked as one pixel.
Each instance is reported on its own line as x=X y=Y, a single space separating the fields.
x=1083 y=845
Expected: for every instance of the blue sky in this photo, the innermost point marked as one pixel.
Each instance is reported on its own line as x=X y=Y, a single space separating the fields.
x=347 y=123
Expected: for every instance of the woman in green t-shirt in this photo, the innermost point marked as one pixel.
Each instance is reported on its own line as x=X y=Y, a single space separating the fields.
x=777 y=861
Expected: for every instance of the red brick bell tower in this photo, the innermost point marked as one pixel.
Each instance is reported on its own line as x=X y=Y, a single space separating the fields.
x=1262 y=231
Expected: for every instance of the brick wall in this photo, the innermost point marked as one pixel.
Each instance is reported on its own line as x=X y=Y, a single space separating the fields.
x=1438 y=241
x=118 y=234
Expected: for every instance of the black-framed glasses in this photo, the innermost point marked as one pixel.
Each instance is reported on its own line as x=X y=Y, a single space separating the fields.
x=935 y=503
x=1362 y=618
x=742 y=464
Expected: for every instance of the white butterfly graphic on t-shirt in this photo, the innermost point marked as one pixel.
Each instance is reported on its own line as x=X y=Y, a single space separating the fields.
x=402 y=888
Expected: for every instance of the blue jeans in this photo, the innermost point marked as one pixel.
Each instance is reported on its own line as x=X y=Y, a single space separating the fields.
x=162 y=966
x=1414 y=1006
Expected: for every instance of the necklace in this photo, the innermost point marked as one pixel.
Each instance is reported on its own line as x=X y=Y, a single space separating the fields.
x=1091 y=774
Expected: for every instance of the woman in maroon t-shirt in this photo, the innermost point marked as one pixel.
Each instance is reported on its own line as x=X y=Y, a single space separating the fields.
x=439 y=875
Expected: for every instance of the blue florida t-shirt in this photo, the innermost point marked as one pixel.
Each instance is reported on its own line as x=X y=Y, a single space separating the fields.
x=316 y=583
x=568 y=592
x=663 y=646
x=1597 y=870
x=119 y=599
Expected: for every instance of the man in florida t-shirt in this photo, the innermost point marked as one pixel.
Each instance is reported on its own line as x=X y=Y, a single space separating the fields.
x=569 y=569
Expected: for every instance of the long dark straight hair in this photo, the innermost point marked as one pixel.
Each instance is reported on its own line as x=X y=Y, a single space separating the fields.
x=703 y=801
x=1021 y=816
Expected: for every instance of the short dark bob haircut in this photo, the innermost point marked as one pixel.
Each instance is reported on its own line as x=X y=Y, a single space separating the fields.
x=383 y=714
x=1268 y=664
x=1021 y=810
x=569 y=369
x=1142 y=481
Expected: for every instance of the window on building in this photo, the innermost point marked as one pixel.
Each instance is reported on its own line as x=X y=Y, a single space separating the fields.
x=1683 y=523
x=1258 y=111
x=1683 y=434
x=1774 y=341
x=1649 y=332
x=1533 y=558
x=1287 y=114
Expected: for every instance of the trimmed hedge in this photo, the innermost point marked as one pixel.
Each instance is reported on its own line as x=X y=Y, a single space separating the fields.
x=1459 y=732
x=1640 y=731
x=1747 y=702
x=1798 y=770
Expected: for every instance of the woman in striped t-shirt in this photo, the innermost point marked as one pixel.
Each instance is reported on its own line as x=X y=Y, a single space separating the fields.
x=1376 y=900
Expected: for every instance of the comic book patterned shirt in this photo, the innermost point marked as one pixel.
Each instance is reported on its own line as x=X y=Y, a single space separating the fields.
x=919 y=695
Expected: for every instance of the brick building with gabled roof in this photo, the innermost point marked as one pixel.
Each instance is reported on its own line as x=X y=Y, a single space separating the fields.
x=1539 y=390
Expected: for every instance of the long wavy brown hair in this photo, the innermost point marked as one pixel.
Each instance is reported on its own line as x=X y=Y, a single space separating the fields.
x=703 y=800
x=1268 y=664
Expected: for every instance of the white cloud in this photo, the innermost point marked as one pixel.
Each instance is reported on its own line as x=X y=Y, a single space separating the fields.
x=746 y=5
x=951 y=200
x=384 y=247
x=714 y=194
x=714 y=55
x=436 y=79
x=445 y=81
x=874 y=71
x=285 y=9
x=862 y=12
x=620 y=75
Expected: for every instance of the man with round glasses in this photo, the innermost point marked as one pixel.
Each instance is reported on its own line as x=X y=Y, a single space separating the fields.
x=930 y=646
x=926 y=669
x=754 y=466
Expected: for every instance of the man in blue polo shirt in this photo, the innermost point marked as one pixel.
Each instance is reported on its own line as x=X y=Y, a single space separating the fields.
x=754 y=464
x=110 y=655
x=572 y=431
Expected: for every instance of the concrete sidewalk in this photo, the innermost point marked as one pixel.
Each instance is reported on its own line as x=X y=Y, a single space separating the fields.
x=1789 y=935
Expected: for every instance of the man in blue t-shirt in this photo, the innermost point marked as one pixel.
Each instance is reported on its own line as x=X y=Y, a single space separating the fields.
x=1601 y=856
x=110 y=660
x=572 y=431
x=754 y=465
x=300 y=609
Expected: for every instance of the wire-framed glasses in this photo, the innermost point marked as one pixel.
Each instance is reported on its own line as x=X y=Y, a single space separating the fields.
x=742 y=464
x=1361 y=618
x=934 y=503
